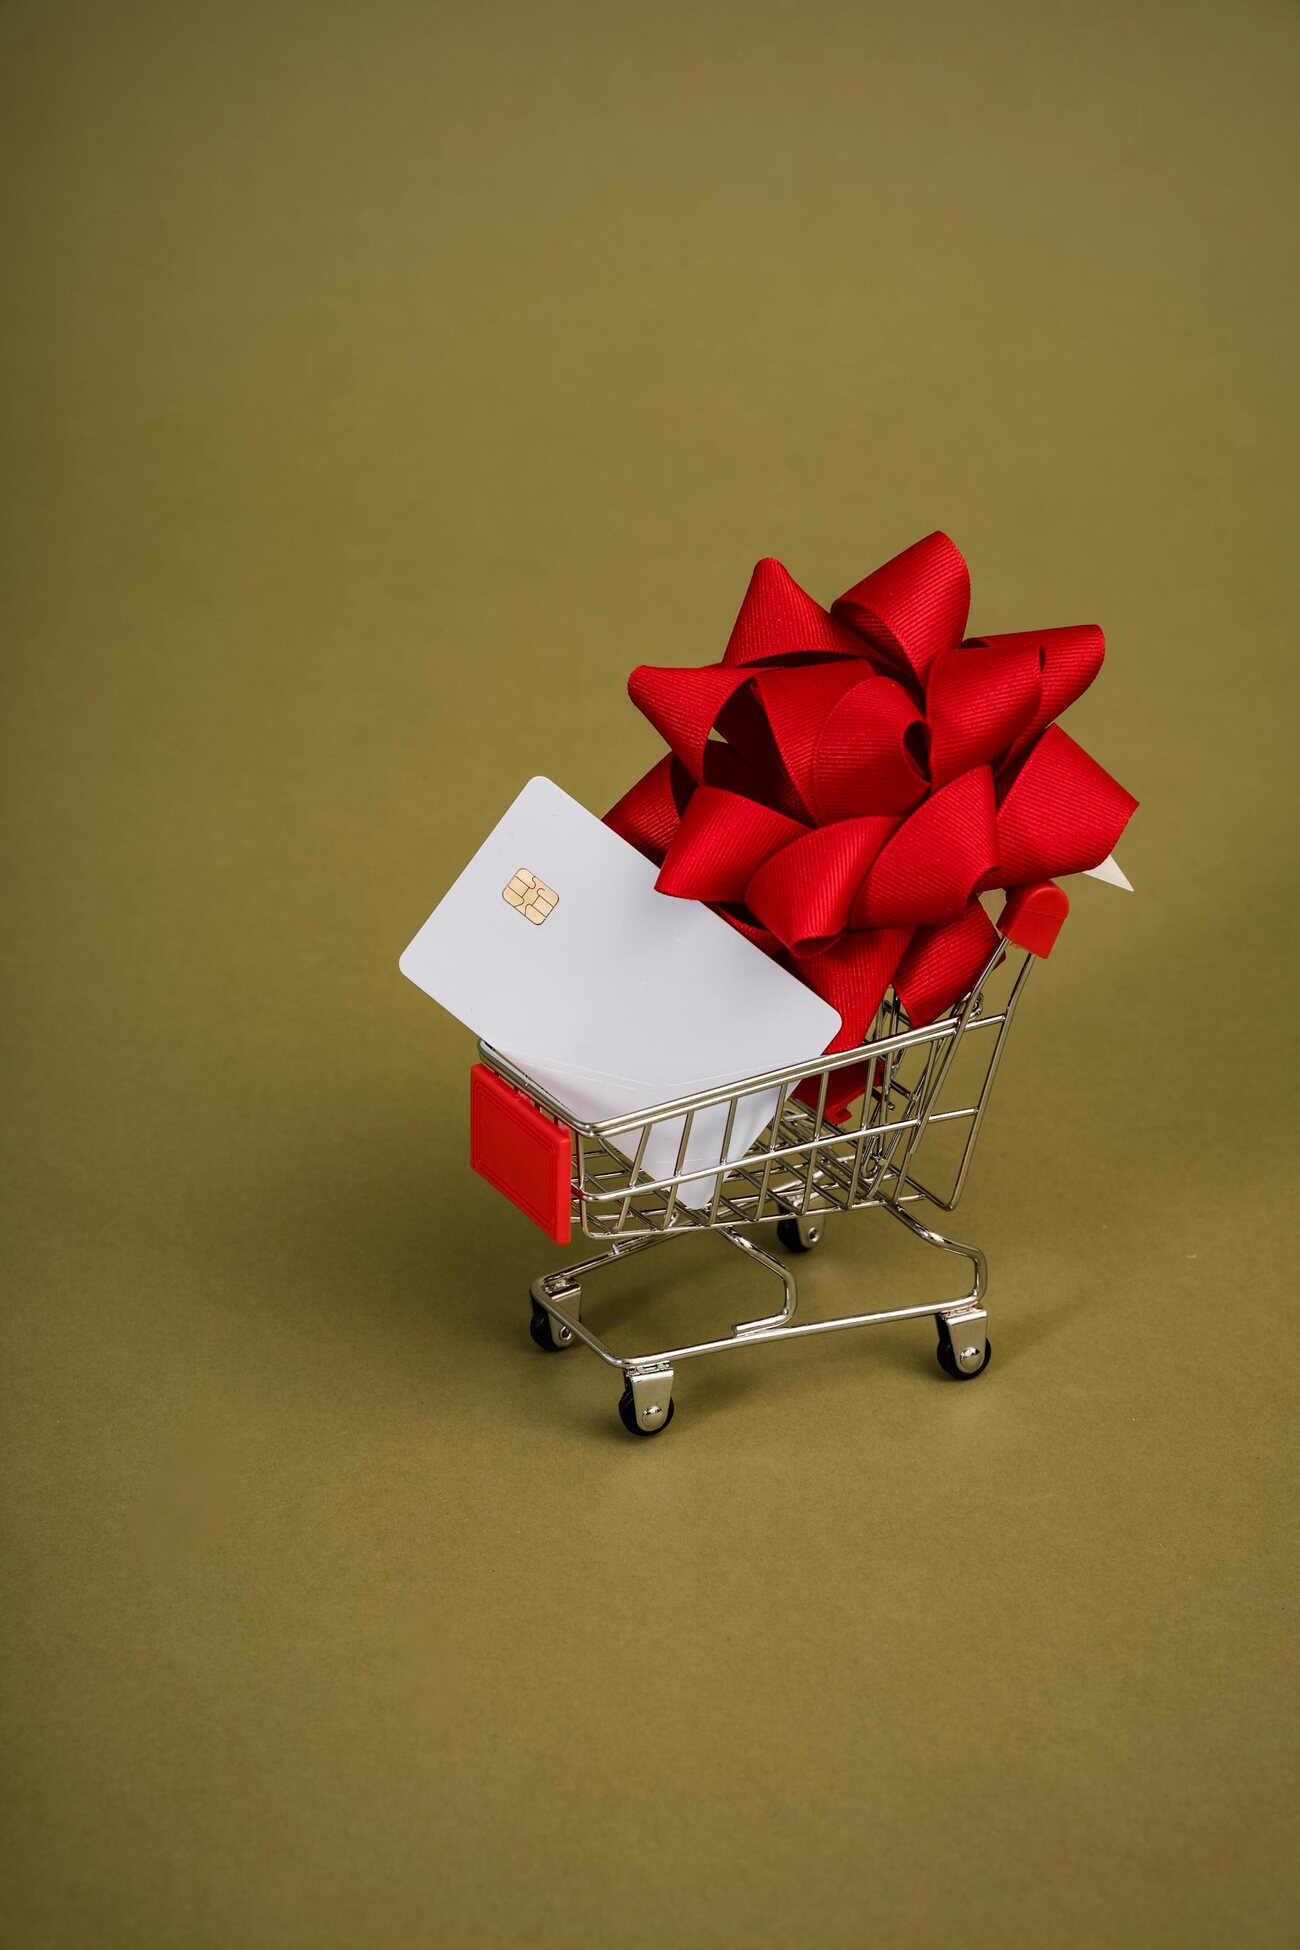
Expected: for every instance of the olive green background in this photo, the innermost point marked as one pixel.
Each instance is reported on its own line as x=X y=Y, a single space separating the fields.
x=380 y=384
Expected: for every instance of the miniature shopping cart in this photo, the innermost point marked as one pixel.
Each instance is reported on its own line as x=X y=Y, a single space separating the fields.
x=917 y=1085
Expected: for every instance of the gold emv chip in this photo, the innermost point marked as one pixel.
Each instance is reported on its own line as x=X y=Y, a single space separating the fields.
x=533 y=898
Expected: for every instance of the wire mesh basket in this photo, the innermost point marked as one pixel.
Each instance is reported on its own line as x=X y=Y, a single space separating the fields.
x=919 y=1097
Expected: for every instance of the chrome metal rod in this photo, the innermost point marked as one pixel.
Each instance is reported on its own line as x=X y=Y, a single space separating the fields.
x=782 y=1272
x=752 y=1337
x=933 y=1238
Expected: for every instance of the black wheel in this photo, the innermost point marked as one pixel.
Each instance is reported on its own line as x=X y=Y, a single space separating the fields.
x=947 y=1359
x=787 y=1231
x=542 y=1329
x=627 y=1414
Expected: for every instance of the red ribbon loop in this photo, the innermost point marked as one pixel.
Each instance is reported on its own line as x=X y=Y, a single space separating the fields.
x=650 y=812
x=1060 y=814
x=914 y=606
x=720 y=845
x=805 y=892
x=939 y=856
x=941 y=963
x=684 y=705
x=871 y=751
x=979 y=698
x=779 y=619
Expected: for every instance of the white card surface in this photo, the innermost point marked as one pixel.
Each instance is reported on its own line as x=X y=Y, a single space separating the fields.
x=612 y=996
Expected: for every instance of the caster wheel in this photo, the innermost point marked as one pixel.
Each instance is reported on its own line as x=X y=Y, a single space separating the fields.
x=794 y=1241
x=947 y=1359
x=627 y=1415
x=549 y=1338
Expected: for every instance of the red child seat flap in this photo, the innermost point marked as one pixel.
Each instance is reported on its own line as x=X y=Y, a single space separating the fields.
x=521 y=1151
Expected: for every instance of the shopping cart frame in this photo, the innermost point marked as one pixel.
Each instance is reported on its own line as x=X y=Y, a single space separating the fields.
x=803 y=1168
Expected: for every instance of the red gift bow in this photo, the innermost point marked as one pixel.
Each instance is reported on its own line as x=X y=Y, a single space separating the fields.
x=873 y=772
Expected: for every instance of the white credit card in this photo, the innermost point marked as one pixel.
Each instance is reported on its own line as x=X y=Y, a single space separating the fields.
x=556 y=949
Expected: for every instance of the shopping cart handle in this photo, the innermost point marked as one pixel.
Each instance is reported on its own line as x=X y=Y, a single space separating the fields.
x=1033 y=916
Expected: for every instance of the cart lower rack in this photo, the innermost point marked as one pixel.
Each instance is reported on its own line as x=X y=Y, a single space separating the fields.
x=805 y=1167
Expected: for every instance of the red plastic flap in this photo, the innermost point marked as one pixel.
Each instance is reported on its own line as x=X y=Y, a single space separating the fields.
x=521 y=1151
x=1034 y=915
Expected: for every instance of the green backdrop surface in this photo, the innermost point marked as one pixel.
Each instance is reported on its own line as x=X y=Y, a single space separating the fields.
x=379 y=385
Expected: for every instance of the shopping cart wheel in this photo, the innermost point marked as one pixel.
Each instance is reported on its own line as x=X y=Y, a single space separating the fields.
x=547 y=1332
x=946 y=1354
x=650 y=1416
x=798 y=1235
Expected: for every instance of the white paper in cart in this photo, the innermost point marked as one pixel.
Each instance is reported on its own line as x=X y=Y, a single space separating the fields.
x=555 y=947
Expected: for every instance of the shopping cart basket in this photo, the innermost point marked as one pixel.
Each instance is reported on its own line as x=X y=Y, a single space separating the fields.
x=804 y=1167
